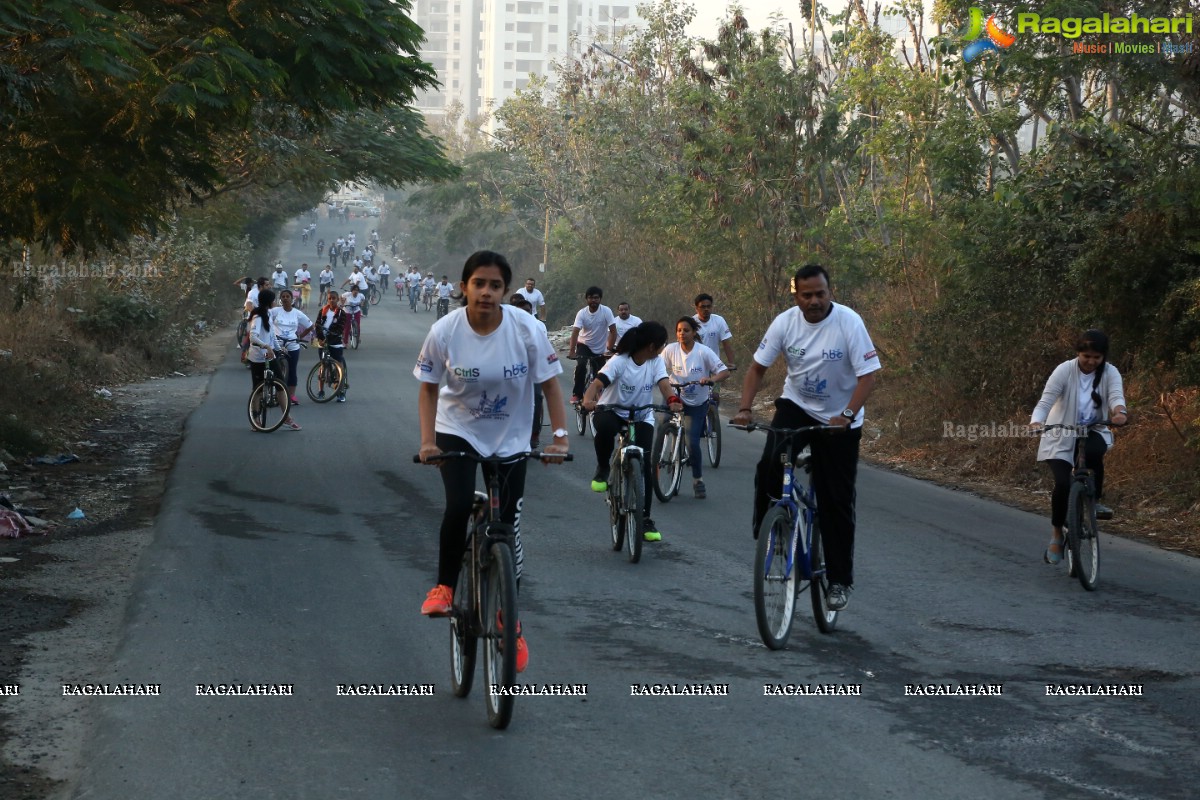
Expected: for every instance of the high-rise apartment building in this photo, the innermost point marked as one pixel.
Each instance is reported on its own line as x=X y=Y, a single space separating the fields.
x=484 y=50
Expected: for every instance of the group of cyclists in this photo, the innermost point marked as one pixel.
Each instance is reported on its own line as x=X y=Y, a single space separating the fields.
x=482 y=367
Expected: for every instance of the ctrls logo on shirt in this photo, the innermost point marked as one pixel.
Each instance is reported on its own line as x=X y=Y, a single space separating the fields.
x=984 y=38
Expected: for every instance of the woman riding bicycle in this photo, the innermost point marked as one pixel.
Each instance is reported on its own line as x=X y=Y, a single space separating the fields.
x=331 y=330
x=491 y=355
x=685 y=363
x=264 y=344
x=1082 y=391
x=628 y=379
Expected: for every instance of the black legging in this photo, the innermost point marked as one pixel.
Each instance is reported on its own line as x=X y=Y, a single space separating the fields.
x=458 y=476
x=1093 y=459
x=607 y=425
x=835 y=468
x=583 y=355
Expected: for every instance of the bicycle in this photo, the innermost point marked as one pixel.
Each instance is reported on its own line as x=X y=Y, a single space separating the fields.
x=583 y=420
x=268 y=399
x=790 y=550
x=327 y=372
x=1082 y=550
x=485 y=602
x=626 y=489
x=711 y=433
x=355 y=334
x=373 y=294
x=427 y=298
x=443 y=307
x=671 y=454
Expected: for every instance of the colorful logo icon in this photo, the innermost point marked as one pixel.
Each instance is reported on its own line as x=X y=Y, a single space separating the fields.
x=983 y=37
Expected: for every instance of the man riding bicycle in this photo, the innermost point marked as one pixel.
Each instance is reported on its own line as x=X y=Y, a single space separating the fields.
x=831 y=366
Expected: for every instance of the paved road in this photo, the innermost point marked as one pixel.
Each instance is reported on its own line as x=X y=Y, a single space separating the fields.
x=302 y=559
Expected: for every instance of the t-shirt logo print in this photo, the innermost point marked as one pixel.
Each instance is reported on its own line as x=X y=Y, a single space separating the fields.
x=490 y=409
x=815 y=387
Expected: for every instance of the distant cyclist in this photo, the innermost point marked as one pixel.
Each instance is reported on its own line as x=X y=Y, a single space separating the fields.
x=593 y=334
x=625 y=320
x=714 y=330
x=687 y=362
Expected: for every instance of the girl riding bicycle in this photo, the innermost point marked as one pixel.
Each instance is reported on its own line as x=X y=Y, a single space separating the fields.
x=628 y=379
x=264 y=344
x=491 y=355
x=685 y=363
x=1082 y=391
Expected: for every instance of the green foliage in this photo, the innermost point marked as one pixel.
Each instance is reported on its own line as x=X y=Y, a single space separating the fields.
x=112 y=316
x=118 y=111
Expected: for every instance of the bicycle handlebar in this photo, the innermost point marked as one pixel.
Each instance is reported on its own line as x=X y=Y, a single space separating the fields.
x=492 y=459
x=759 y=426
x=1081 y=429
x=630 y=409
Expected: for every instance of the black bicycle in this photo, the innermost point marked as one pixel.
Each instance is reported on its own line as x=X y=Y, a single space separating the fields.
x=269 y=401
x=583 y=420
x=1082 y=549
x=626 y=485
x=327 y=378
x=485 y=601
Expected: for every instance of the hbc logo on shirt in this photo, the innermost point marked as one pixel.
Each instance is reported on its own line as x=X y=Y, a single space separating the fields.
x=515 y=371
x=831 y=355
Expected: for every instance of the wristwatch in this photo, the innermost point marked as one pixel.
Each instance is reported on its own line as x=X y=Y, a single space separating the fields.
x=560 y=433
x=848 y=414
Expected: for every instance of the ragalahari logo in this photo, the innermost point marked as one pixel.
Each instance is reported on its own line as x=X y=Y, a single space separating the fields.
x=984 y=38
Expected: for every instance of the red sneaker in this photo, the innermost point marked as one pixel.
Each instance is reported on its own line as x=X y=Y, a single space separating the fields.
x=437 y=602
x=522 y=648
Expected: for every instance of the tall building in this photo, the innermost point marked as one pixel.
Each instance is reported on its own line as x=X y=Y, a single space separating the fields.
x=484 y=50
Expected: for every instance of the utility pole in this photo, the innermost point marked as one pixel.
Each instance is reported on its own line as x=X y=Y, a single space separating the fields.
x=546 y=242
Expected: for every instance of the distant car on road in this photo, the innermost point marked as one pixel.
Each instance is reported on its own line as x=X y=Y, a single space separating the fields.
x=374 y=211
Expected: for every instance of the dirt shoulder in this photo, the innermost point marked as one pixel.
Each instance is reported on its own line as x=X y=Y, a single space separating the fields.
x=63 y=591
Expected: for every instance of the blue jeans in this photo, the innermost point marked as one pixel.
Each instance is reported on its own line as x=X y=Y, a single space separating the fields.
x=693 y=422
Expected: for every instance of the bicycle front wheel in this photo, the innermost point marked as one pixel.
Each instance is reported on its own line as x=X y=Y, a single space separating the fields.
x=616 y=520
x=634 y=500
x=324 y=380
x=775 y=578
x=713 y=439
x=268 y=406
x=666 y=463
x=819 y=589
x=463 y=644
x=374 y=298
x=580 y=419
x=1083 y=537
x=500 y=624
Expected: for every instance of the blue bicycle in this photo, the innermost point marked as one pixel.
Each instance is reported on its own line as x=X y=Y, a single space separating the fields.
x=790 y=555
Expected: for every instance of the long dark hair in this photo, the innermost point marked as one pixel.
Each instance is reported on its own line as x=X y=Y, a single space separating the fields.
x=636 y=338
x=265 y=299
x=1094 y=341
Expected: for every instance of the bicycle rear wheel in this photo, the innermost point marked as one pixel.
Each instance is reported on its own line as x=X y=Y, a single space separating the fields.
x=268 y=407
x=462 y=639
x=819 y=588
x=580 y=419
x=634 y=500
x=713 y=438
x=667 y=466
x=374 y=298
x=500 y=622
x=1083 y=537
x=616 y=520
x=774 y=581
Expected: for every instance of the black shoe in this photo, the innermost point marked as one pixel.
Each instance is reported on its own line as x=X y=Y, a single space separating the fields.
x=1103 y=511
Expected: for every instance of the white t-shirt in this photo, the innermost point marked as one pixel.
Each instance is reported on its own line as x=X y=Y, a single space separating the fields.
x=1087 y=406
x=683 y=367
x=302 y=275
x=260 y=336
x=287 y=324
x=535 y=298
x=631 y=385
x=358 y=279
x=444 y=290
x=713 y=332
x=593 y=328
x=370 y=273
x=625 y=324
x=385 y=270
x=413 y=278
x=252 y=296
x=488 y=394
x=352 y=303
x=326 y=277
x=279 y=279
x=824 y=360
x=429 y=283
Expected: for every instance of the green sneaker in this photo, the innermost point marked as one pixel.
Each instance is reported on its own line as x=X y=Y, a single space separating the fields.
x=600 y=481
x=599 y=486
x=651 y=532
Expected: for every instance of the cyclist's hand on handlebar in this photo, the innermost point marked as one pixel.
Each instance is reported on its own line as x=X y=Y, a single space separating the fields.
x=1119 y=419
x=741 y=418
x=588 y=405
x=428 y=451
x=840 y=421
x=554 y=450
x=675 y=404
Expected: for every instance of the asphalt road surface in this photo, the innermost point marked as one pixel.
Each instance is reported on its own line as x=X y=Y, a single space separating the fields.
x=301 y=559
